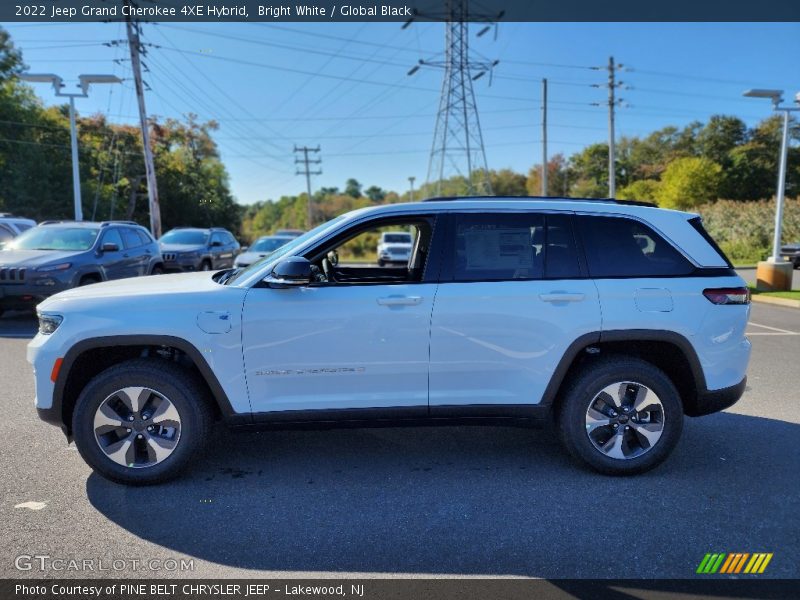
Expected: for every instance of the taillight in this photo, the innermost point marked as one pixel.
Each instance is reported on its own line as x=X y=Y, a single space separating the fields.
x=740 y=295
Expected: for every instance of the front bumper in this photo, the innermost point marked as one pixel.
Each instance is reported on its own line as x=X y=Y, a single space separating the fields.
x=25 y=296
x=180 y=264
x=712 y=401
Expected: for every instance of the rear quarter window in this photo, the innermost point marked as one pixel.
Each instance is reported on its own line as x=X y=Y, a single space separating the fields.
x=623 y=247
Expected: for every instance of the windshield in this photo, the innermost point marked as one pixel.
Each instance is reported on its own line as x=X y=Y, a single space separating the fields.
x=397 y=238
x=54 y=238
x=283 y=250
x=185 y=236
x=268 y=244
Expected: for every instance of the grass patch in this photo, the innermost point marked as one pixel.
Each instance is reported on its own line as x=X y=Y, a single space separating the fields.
x=793 y=295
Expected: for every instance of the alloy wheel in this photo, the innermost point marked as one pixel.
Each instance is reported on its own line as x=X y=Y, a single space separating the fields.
x=137 y=427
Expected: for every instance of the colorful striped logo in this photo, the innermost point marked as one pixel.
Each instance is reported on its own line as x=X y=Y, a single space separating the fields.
x=734 y=562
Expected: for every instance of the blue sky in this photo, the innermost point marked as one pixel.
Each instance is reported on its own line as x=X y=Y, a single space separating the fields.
x=344 y=86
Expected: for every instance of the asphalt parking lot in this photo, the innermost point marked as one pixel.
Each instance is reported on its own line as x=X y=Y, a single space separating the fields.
x=418 y=502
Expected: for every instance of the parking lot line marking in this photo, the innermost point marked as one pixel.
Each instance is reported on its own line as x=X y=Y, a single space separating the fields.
x=783 y=331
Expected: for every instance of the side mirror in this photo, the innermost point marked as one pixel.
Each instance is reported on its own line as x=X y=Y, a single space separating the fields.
x=109 y=247
x=292 y=271
x=216 y=244
x=243 y=249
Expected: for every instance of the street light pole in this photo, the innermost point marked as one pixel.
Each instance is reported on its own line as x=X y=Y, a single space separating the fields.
x=776 y=241
x=411 y=190
x=58 y=83
x=777 y=273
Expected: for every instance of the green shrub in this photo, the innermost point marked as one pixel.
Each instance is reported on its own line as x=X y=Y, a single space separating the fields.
x=744 y=230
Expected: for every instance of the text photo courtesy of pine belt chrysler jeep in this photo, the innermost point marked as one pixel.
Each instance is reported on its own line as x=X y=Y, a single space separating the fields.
x=611 y=320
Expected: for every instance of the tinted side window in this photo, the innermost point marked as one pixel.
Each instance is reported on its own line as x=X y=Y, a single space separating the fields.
x=561 y=255
x=621 y=247
x=215 y=238
x=498 y=247
x=146 y=239
x=112 y=236
x=5 y=234
x=229 y=239
x=132 y=240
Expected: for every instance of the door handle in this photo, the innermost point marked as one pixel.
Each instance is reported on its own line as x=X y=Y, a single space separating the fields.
x=561 y=297
x=400 y=301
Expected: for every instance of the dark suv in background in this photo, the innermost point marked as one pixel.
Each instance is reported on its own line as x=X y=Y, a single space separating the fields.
x=58 y=255
x=193 y=249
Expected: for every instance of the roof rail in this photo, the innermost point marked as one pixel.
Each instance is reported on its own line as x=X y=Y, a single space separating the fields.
x=107 y=223
x=55 y=221
x=541 y=199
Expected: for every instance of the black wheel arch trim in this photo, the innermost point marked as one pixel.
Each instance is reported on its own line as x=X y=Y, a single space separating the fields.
x=705 y=399
x=55 y=414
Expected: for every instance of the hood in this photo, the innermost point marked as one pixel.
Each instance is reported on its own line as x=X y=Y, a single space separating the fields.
x=136 y=287
x=181 y=247
x=251 y=257
x=36 y=258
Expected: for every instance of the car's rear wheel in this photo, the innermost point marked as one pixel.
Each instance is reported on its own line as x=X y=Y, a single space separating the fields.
x=141 y=421
x=621 y=416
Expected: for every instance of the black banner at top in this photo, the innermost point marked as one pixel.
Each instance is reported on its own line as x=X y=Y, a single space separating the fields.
x=399 y=10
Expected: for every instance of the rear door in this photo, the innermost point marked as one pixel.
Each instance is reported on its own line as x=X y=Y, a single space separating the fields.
x=116 y=264
x=512 y=298
x=137 y=252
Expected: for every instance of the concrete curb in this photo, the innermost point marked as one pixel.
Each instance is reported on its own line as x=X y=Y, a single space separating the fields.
x=776 y=301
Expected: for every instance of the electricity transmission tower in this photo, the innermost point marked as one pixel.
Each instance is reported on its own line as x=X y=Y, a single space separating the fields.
x=458 y=148
x=306 y=161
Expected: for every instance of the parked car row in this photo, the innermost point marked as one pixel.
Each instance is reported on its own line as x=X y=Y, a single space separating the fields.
x=38 y=261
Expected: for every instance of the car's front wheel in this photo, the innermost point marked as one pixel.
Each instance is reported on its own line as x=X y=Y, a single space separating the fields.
x=141 y=421
x=620 y=416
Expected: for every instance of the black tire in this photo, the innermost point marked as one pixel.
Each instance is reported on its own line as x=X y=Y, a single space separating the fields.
x=205 y=265
x=580 y=395
x=381 y=263
x=88 y=280
x=797 y=263
x=157 y=270
x=184 y=391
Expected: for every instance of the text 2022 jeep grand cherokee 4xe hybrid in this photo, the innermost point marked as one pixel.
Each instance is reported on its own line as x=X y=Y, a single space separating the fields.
x=614 y=319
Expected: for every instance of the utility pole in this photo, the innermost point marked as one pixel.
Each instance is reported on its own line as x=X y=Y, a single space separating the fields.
x=149 y=165
x=305 y=161
x=411 y=191
x=544 y=137
x=613 y=102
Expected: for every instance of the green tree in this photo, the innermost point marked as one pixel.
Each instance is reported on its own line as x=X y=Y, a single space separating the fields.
x=688 y=182
x=643 y=189
x=352 y=188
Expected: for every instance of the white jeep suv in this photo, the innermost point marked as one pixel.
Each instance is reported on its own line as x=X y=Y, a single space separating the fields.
x=611 y=319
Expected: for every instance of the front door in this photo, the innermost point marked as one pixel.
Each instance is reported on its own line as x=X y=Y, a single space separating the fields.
x=357 y=338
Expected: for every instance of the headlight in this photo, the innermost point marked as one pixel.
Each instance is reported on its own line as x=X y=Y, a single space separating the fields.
x=58 y=267
x=49 y=323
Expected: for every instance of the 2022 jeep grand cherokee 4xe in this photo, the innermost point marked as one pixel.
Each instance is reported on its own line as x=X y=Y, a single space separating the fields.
x=615 y=319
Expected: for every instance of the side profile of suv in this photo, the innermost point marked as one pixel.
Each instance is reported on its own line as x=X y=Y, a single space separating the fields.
x=613 y=320
x=192 y=249
x=56 y=256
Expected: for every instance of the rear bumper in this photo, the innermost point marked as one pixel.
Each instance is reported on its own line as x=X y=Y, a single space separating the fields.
x=712 y=401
